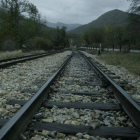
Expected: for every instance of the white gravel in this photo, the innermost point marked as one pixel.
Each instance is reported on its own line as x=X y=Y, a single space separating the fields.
x=85 y=117
x=28 y=75
x=133 y=87
x=93 y=118
x=52 y=135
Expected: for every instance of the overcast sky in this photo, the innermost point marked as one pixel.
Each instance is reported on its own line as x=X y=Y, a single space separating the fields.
x=77 y=11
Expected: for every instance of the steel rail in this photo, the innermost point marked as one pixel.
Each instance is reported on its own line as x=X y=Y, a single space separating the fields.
x=20 y=57
x=131 y=107
x=8 y=64
x=18 y=123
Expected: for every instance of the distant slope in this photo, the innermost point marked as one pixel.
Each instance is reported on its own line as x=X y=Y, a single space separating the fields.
x=114 y=17
x=60 y=25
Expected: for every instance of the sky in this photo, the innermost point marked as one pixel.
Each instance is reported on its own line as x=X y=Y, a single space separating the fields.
x=77 y=11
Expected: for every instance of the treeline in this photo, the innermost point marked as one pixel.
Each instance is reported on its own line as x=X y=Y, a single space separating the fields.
x=110 y=36
x=22 y=26
x=125 y=37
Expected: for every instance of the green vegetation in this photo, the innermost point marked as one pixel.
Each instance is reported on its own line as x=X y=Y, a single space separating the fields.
x=22 y=27
x=113 y=29
x=12 y=54
x=93 y=52
x=130 y=61
x=114 y=17
x=6 y=55
x=118 y=35
x=109 y=36
x=134 y=20
x=21 y=24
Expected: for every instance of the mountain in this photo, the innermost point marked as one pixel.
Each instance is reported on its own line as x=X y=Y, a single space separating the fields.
x=114 y=17
x=60 y=25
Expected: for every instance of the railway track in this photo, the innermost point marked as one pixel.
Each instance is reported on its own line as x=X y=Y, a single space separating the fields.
x=12 y=61
x=79 y=101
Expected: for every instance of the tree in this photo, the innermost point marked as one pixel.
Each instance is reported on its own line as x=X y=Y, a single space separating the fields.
x=134 y=7
x=56 y=37
x=60 y=37
x=119 y=35
x=86 y=38
x=16 y=8
x=94 y=36
x=67 y=41
x=63 y=36
x=13 y=18
x=17 y=26
x=134 y=21
x=97 y=36
x=110 y=38
x=22 y=23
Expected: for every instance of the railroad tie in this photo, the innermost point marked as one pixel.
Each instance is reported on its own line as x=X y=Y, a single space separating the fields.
x=81 y=92
x=19 y=102
x=77 y=105
x=85 y=84
x=22 y=102
x=107 y=132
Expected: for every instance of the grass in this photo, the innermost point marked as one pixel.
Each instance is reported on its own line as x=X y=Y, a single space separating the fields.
x=6 y=55
x=91 y=51
x=37 y=52
x=130 y=61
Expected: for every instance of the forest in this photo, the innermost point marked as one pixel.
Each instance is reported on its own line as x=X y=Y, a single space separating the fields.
x=23 y=27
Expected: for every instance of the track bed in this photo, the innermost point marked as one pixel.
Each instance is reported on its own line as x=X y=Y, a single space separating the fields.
x=78 y=105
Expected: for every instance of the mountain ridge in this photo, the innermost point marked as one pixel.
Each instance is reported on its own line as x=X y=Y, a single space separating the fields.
x=113 y=17
x=60 y=25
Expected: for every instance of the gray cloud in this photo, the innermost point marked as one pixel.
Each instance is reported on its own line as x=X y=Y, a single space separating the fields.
x=77 y=11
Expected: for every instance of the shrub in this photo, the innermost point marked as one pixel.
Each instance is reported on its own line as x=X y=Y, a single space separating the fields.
x=7 y=54
x=8 y=45
x=39 y=43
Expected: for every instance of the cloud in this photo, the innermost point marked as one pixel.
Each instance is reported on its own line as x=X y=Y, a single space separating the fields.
x=77 y=11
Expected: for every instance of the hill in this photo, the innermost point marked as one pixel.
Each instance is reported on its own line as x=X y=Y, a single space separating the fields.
x=60 y=25
x=114 y=17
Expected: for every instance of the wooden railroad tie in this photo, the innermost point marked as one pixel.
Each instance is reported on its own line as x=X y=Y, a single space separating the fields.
x=107 y=132
x=82 y=92
x=76 y=105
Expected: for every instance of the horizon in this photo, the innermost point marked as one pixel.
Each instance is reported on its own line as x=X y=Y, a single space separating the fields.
x=86 y=23
x=77 y=12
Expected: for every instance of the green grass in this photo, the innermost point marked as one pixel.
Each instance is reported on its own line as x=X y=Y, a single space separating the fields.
x=91 y=51
x=5 y=55
x=130 y=61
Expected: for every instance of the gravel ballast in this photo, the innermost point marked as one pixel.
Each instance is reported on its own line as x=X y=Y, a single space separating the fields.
x=133 y=86
x=17 y=80
x=76 y=74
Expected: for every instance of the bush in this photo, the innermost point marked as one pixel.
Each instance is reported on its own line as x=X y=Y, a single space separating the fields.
x=125 y=49
x=39 y=43
x=8 y=45
x=7 y=54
